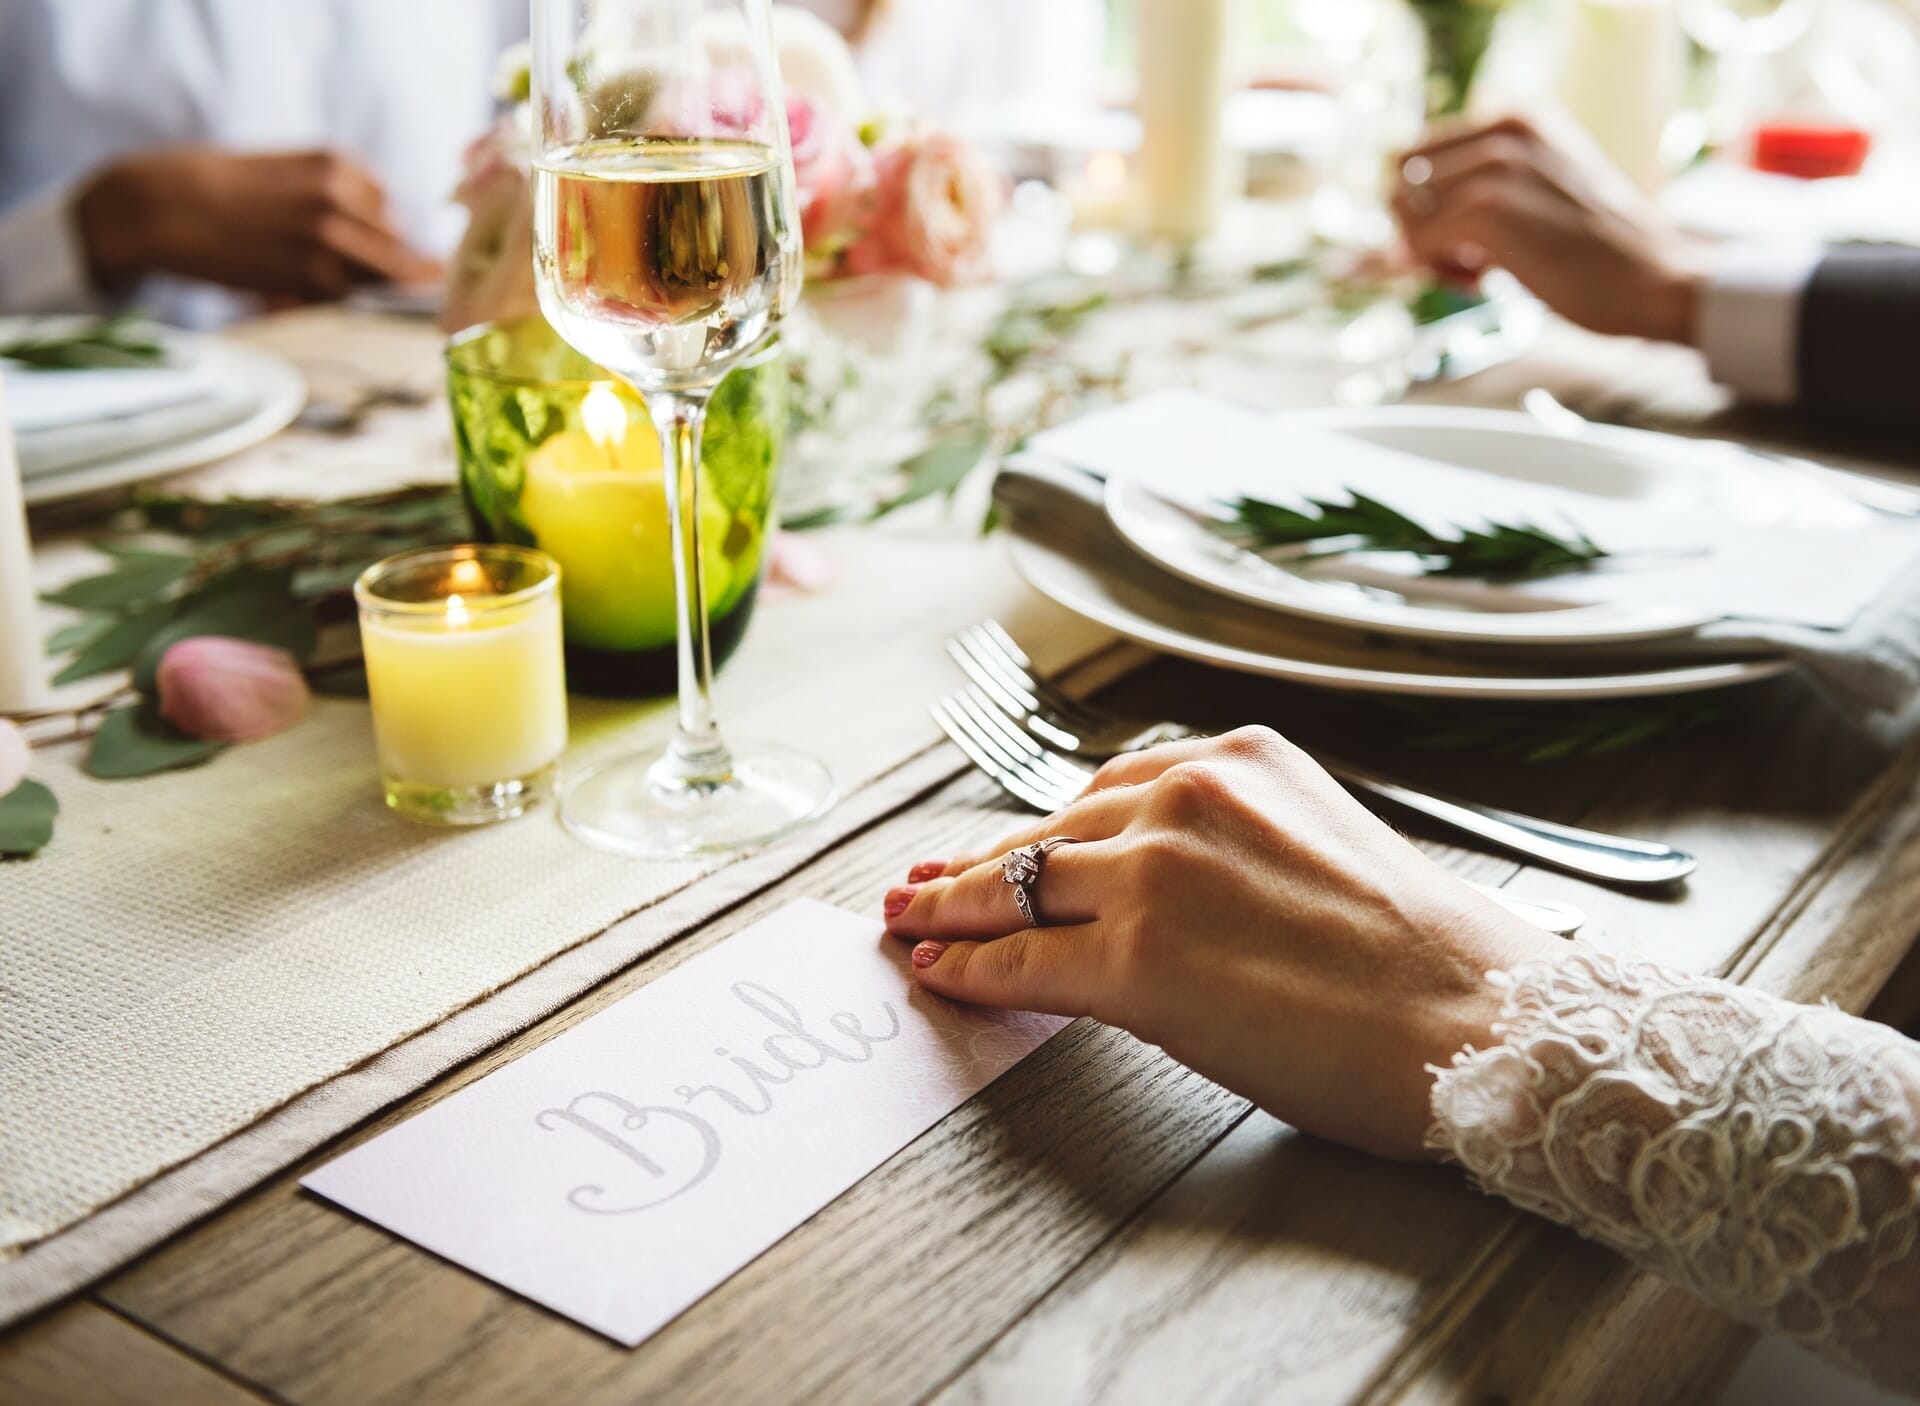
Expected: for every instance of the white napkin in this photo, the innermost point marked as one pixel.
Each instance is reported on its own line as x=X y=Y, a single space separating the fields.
x=41 y=400
x=1198 y=450
x=44 y=453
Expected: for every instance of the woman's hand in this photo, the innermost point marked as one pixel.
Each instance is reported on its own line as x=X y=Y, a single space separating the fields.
x=305 y=225
x=1232 y=904
x=1558 y=218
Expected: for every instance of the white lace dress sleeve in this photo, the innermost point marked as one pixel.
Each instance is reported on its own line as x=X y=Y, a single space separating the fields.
x=1763 y=1154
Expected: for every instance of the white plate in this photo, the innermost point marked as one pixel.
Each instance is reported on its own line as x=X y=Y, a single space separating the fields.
x=1623 y=466
x=1162 y=613
x=277 y=388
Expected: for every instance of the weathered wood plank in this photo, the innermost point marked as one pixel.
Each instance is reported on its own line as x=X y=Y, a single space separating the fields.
x=1818 y=864
x=1591 y=1332
x=1280 y=1268
x=986 y=1211
x=1571 y=1322
x=84 y=1355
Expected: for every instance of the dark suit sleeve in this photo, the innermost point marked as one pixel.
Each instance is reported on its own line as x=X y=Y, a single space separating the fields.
x=1858 y=353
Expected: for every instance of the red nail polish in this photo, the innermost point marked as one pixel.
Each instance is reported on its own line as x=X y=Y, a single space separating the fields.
x=898 y=899
x=927 y=953
x=926 y=869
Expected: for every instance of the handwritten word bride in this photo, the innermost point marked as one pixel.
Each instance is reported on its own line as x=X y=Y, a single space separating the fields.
x=688 y=1143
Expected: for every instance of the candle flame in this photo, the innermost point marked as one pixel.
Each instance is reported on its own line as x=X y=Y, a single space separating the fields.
x=468 y=576
x=604 y=418
x=456 y=610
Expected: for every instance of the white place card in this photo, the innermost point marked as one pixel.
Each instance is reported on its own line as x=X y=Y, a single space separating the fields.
x=629 y=1166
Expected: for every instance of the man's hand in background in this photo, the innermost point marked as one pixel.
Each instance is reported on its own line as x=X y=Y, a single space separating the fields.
x=308 y=226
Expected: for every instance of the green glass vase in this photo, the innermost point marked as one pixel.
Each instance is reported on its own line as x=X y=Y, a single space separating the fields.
x=557 y=454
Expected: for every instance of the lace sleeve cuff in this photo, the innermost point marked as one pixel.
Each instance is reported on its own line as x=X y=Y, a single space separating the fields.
x=1760 y=1153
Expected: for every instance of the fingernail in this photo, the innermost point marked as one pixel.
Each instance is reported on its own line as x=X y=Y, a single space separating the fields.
x=926 y=869
x=898 y=899
x=927 y=953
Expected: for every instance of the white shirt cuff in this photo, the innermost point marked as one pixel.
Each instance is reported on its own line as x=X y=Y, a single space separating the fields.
x=1749 y=321
x=42 y=268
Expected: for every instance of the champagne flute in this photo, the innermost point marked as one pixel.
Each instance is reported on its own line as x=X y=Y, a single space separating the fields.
x=667 y=249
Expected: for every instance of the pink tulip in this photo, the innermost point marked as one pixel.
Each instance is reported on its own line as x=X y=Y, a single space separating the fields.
x=13 y=756
x=934 y=208
x=228 y=690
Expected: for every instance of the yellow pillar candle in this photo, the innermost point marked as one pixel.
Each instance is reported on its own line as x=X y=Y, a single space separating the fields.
x=467 y=679
x=596 y=500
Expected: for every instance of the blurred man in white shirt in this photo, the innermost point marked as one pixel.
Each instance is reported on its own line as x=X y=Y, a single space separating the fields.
x=291 y=151
x=199 y=156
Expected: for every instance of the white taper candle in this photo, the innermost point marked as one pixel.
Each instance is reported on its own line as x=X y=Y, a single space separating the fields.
x=1624 y=75
x=1182 y=50
x=22 y=665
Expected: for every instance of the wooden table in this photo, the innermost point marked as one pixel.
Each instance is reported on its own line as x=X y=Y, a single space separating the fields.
x=1101 y=1224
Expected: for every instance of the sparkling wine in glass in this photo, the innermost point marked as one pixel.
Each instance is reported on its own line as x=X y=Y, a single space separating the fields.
x=667 y=249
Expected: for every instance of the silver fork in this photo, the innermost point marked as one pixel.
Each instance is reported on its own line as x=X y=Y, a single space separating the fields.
x=1003 y=673
x=1043 y=779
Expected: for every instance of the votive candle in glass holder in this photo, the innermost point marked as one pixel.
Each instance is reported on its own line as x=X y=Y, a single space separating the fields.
x=467 y=679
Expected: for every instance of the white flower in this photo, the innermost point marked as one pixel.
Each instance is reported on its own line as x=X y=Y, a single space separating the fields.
x=513 y=74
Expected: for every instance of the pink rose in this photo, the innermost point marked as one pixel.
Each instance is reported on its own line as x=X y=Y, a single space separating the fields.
x=491 y=277
x=832 y=170
x=14 y=753
x=933 y=210
x=228 y=690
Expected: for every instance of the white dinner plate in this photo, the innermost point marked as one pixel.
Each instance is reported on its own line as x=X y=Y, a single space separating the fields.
x=1621 y=467
x=1163 y=613
x=272 y=384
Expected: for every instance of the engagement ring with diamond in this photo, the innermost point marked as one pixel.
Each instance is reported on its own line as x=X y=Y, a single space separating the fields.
x=1021 y=869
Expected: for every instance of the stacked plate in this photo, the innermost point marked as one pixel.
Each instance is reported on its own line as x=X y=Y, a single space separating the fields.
x=85 y=431
x=1716 y=554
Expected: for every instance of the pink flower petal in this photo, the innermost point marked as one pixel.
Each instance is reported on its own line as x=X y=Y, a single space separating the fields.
x=796 y=567
x=228 y=690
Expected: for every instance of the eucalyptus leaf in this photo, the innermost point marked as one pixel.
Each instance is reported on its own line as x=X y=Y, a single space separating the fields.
x=26 y=819
x=132 y=553
x=136 y=581
x=100 y=342
x=939 y=469
x=135 y=741
x=79 y=634
x=210 y=520
x=116 y=646
x=1496 y=552
x=247 y=605
x=278 y=541
x=816 y=518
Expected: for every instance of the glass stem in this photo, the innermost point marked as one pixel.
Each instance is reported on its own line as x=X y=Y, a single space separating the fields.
x=696 y=758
